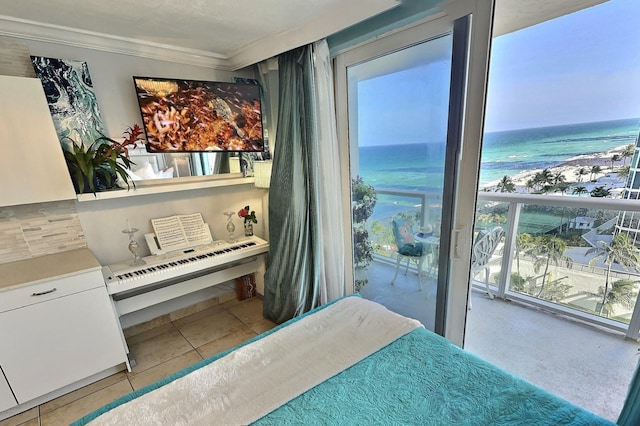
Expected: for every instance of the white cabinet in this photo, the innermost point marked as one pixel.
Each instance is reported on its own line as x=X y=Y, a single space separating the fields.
x=32 y=159
x=55 y=332
x=6 y=397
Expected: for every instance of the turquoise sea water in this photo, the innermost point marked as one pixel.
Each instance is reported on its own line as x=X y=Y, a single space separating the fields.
x=419 y=167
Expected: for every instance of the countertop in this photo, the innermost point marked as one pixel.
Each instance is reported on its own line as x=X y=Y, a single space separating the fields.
x=47 y=267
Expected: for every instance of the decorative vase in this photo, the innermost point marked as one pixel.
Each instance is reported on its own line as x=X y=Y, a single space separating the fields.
x=248 y=228
x=231 y=238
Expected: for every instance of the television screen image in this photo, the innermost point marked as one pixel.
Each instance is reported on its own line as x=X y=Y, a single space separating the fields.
x=196 y=116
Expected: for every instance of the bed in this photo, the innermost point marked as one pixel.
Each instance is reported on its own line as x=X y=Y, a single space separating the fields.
x=348 y=362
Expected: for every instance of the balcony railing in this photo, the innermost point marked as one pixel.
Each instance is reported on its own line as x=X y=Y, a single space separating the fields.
x=576 y=287
x=573 y=288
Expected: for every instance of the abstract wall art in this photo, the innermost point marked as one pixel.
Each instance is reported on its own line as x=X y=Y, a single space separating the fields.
x=72 y=101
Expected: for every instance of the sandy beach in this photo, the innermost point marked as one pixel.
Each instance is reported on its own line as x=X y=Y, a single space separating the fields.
x=607 y=177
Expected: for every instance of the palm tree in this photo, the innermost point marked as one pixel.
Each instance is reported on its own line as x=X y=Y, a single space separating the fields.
x=580 y=173
x=623 y=172
x=530 y=184
x=524 y=243
x=579 y=190
x=547 y=176
x=561 y=187
x=549 y=249
x=506 y=185
x=628 y=153
x=622 y=251
x=614 y=159
x=594 y=172
x=622 y=292
x=558 y=177
x=600 y=192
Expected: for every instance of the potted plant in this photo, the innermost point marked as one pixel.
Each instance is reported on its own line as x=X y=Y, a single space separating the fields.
x=97 y=166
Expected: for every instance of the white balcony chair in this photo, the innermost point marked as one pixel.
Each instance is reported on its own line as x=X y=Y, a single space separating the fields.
x=483 y=248
x=408 y=249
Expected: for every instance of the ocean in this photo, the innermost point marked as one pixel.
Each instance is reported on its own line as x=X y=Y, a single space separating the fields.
x=419 y=167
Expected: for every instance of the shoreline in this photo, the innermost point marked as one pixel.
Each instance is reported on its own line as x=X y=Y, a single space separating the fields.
x=607 y=177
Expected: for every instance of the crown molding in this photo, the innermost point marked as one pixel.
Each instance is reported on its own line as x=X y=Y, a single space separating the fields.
x=47 y=33
x=322 y=25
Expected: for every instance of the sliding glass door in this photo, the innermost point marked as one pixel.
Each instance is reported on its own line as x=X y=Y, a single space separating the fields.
x=398 y=114
x=404 y=102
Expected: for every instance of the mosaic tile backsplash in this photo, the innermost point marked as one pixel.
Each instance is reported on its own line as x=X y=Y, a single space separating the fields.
x=33 y=230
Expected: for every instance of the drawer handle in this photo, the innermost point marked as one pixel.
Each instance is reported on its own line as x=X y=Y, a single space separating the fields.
x=42 y=293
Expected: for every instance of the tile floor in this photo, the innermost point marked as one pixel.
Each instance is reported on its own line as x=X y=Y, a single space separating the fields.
x=160 y=348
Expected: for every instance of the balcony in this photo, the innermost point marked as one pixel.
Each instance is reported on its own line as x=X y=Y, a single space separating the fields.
x=559 y=336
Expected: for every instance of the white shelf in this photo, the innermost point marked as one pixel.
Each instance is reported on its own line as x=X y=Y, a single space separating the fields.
x=160 y=188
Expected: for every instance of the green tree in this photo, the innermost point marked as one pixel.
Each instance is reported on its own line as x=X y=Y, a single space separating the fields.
x=622 y=292
x=580 y=173
x=542 y=179
x=516 y=282
x=524 y=243
x=614 y=159
x=506 y=185
x=530 y=184
x=561 y=187
x=622 y=251
x=363 y=200
x=628 y=153
x=556 y=289
x=548 y=249
x=623 y=172
x=595 y=170
x=600 y=192
x=579 y=190
x=558 y=177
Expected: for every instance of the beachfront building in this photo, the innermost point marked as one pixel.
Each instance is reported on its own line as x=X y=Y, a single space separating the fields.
x=581 y=222
x=629 y=222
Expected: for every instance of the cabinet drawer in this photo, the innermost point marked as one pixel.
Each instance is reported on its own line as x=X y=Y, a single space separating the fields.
x=47 y=346
x=50 y=289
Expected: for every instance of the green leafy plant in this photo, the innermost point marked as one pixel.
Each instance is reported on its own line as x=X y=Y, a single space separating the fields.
x=97 y=166
x=363 y=200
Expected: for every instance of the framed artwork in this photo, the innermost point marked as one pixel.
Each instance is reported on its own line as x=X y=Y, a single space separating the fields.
x=72 y=101
x=200 y=116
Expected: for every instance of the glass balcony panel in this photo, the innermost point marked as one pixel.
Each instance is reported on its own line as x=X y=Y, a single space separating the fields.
x=564 y=256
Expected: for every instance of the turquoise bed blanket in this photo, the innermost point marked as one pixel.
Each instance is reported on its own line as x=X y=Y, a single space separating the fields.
x=419 y=379
x=423 y=379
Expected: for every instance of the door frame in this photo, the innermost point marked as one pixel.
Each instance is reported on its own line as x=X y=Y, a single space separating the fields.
x=451 y=319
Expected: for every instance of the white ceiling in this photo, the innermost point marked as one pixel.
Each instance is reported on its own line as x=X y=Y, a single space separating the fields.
x=229 y=33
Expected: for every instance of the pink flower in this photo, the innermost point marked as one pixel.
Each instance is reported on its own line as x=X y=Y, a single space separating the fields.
x=248 y=216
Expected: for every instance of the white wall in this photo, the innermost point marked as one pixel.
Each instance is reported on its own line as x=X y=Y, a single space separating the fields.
x=112 y=73
x=102 y=221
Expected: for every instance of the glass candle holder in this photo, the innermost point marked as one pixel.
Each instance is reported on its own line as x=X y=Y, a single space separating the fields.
x=231 y=228
x=134 y=247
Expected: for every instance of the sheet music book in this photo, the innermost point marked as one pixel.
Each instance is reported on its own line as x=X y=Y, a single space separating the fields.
x=181 y=231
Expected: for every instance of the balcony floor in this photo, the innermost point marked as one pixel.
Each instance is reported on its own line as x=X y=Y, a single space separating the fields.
x=584 y=364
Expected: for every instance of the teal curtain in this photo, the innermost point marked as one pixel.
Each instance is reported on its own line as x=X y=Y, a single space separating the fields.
x=291 y=279
x=630 y=415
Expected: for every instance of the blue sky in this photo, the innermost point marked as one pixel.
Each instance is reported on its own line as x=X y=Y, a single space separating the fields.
x=405 y=107
x=578 y=68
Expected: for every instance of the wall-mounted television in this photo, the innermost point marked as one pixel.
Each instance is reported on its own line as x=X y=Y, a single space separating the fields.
x=197 y=116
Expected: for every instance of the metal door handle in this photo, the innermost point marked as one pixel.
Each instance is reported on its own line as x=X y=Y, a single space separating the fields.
x=42 y=293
